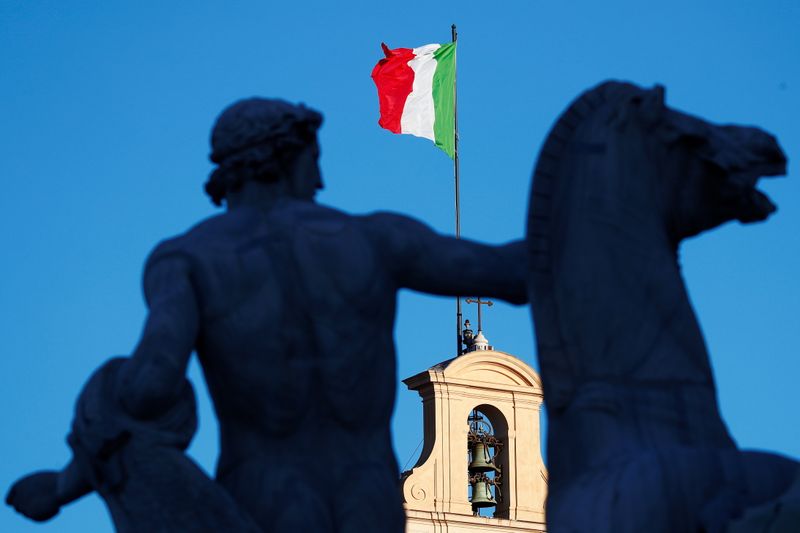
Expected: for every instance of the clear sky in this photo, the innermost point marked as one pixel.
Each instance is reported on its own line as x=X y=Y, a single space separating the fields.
x=106 y=111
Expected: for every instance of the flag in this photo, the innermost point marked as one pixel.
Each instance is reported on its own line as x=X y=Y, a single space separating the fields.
x=416 y=92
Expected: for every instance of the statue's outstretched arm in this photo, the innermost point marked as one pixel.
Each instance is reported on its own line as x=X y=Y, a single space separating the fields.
x=424 y=260
x=154 y=376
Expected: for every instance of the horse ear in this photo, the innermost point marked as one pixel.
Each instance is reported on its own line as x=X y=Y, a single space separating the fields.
x=669 y=125
x=652 y=105
x=642 y=106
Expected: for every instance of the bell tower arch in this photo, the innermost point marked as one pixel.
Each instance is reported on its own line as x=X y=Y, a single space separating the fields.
x=481 y=465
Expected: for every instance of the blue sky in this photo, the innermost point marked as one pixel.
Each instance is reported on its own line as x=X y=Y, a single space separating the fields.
x=106 y=111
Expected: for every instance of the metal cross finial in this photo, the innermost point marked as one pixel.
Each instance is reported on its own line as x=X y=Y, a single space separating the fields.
x=480 y=303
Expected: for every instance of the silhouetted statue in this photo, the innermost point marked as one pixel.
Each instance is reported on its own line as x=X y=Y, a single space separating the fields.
x=290 y=307
x=635 y=440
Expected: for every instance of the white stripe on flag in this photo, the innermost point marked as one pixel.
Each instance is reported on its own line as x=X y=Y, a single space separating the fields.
x=418 y=113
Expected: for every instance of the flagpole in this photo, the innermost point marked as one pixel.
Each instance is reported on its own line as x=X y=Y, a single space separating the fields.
x=459 y=331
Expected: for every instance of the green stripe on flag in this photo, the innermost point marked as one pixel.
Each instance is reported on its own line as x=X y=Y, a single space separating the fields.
x=444 y=80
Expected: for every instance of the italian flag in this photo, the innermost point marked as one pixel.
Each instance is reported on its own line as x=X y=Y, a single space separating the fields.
x=416 y=91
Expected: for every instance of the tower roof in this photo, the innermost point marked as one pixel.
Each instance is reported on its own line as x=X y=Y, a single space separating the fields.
x=487 y=367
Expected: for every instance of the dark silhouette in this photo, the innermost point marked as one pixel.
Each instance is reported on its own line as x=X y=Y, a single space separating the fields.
x=636 y=442
x=290 y=307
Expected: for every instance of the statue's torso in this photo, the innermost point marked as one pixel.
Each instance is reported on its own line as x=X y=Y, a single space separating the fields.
x=296 y=333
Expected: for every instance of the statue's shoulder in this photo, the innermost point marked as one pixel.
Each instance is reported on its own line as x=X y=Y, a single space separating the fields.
x=234 y=229
x=206 y=235
x=392 y=220
x=314 y=216
x=379 y=226
x=388 y=227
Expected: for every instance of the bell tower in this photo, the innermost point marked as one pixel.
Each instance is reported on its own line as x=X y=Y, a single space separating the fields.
x=481 y=467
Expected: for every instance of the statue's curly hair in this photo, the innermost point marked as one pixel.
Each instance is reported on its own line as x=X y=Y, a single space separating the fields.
x=258 y=139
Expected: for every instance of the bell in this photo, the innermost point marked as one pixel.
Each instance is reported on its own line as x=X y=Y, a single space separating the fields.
x=481 y=460
x=482 y=495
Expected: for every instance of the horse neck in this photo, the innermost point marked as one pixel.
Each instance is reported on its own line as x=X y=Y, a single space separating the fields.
x=607 y=295
x=620 y=309
x=622 y=301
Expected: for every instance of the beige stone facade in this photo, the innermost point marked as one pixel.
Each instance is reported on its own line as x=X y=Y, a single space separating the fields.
x=509 y=393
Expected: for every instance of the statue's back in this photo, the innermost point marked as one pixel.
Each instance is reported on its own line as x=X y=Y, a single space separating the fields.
x=295 y=343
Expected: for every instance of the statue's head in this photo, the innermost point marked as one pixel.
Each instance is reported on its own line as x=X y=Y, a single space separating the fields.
x=266 y=140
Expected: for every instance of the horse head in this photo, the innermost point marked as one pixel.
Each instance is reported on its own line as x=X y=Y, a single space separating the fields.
x=708 y=173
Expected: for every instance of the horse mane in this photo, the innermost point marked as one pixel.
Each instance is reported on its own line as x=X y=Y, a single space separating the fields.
x=621 y=320
x=546 y=171
x=553 y=151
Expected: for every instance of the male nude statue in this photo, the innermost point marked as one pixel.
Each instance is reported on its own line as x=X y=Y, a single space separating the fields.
x=289 y=306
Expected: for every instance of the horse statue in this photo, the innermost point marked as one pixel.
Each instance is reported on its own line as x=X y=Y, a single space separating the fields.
x=636 y=441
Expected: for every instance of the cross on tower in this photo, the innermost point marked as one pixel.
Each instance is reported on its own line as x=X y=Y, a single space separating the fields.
x=480 y=303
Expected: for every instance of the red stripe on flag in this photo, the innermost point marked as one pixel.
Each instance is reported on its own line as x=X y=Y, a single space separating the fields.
x=394 y=79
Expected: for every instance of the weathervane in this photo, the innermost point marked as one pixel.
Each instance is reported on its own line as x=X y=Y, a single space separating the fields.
x=480 y=303
x=471 y=340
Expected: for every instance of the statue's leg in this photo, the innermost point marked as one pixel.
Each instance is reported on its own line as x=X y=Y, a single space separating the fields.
x=670 y=489
x=768 y=476
x=371 y=500
x=280 y=496
x=165 y=491
x=773 y=495
x=139 y=467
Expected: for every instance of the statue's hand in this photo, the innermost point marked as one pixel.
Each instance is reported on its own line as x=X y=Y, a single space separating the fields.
x=36 y=496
